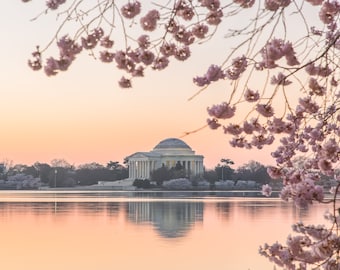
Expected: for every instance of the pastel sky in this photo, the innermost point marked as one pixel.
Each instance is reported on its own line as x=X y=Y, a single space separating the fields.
x=83 y=116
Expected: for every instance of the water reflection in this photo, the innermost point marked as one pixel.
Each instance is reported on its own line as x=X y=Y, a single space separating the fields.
x=171 y=214
x=171 y=219
x=120 y=230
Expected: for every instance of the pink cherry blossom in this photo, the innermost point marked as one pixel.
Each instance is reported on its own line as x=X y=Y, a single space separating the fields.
x=64 y=63
x=68 y=47
x=168 y=49
x=131 y=9
x=334 y=82
x=35 y=64
x=274 y=5
x=106 y=42
x=125 y=83
x=120 y=58
x=144 y=41
x=210 y=4
x=248 y=128
x=89 y=42
x=275 y=50
x=315 y=2
x=314 y=70
x=221 y=111
x=138 y=72
x=316 y=88
x=329 y=10
x=184 y=10
x=213 y=123
x=239 y=65
x=274 y=172
x=308 y=105
x=200 y=30
x=54 y=4
x=265 y=110
x=251 y=96
x=245 y=3
x=325 y=166
x=51 y=67
x=276 y=125
x=260 y=140
x=172 y=26
x=201 y=81
x=184 y=36
x=280 y=79
x=214 y=17
x=266 y=190
x=149 y=21
x=214 y=73
x=233 y=129
x=160 y=63
x=290 y=54
x=330 y=150
x=240 y=142
x=134 y=55
x=106 y=57
x=182 y=53
x=146 y=57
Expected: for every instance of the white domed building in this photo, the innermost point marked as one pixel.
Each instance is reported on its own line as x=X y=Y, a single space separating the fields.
x=167 y=153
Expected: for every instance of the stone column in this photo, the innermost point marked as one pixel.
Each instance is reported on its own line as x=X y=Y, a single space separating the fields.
x=132 y=169
x=144 y=171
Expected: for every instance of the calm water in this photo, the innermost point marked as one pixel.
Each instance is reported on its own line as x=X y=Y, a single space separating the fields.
x=126 y=230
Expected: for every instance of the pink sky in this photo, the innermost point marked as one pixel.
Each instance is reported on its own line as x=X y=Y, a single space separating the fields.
x=83 y=116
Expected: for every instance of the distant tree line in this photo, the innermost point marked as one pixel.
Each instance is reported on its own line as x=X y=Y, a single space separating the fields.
x=62 y=174
x=252 y=170
x=59 y=173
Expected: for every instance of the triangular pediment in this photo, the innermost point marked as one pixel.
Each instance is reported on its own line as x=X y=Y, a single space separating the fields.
x=143 y=155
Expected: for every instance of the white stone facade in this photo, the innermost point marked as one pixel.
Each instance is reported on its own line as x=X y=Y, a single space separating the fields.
x=167 y=153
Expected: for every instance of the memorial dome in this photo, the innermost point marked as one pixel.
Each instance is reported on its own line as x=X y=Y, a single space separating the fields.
x=172 y=143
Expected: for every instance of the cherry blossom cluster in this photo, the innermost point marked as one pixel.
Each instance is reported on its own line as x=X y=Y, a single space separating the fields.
x=275 y=50
x=68 y=49
x=54 y=4
x=188 y=23
x=51 y=4
x=314 y=245
x=329 y=11
x=274 y=5
x=219 y=111
x=215 y=73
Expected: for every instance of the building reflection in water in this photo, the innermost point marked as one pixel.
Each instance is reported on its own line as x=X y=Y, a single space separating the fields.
x=170 y=219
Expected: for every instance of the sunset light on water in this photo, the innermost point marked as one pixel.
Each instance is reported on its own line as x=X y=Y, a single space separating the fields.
x=120 y=230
